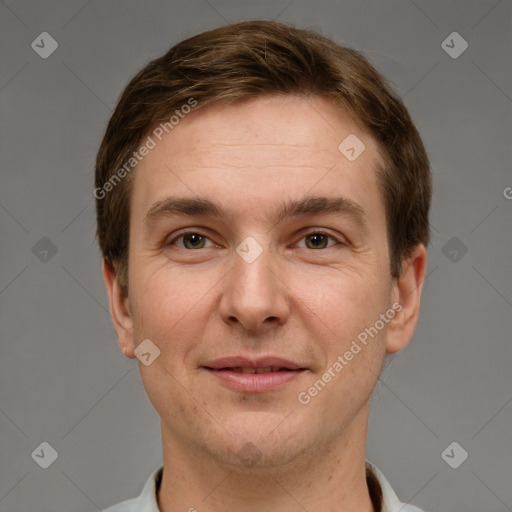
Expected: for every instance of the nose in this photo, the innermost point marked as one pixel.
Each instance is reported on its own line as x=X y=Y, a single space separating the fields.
x=255 y=295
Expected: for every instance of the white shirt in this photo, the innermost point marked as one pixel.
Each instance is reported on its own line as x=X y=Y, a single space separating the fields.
x=146 y=501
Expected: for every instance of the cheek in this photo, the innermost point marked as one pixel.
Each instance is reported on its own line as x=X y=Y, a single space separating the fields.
x=172 y=309
x=338 y=317
x=166 y=297
x=167 y=310
x=351 y=350
x=341 y=303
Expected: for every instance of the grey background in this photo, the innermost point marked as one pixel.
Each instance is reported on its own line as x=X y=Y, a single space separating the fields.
x=62 y=377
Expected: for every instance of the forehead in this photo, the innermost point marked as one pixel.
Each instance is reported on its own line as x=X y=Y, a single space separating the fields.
x=264 y=147
x=304 y=124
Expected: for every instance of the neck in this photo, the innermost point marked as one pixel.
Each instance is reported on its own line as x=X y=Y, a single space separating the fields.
x=329 y=476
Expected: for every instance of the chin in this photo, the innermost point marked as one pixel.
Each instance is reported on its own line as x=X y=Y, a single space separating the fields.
x=260 y=440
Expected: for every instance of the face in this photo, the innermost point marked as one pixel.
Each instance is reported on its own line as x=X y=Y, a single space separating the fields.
x=256 y=246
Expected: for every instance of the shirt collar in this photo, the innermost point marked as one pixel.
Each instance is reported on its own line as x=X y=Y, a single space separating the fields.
x=147 y=501
x=390 y=501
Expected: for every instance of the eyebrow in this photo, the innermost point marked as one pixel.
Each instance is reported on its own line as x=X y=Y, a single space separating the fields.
x=309 y=205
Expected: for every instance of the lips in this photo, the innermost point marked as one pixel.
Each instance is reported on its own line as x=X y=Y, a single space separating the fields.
x=247 y=365
x=267 y=369
x=253 y=375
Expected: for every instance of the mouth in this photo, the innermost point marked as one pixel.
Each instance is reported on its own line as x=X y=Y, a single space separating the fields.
x=266 y=369
x=253 y=376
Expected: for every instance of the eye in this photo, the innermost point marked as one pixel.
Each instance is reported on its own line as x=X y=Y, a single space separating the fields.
x=319 y=240
x=190 y=240
x=193 y=240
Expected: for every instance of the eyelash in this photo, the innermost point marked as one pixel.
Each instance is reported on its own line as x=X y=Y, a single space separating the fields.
x=314 y=232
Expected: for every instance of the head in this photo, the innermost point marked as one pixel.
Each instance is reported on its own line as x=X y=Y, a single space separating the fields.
x=237 y=135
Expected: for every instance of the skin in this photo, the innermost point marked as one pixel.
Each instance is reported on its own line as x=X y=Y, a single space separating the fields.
x=296 y=301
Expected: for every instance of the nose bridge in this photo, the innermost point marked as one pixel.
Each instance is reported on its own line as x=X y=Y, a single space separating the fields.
x=254 y=294
x=253 y=268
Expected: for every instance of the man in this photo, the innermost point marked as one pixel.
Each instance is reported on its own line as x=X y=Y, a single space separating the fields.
x=262 y=207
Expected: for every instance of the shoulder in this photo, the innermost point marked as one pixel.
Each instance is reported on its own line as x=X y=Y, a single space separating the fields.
x=410 y=508
x=125 y=506
x=390 y=502
x=146 y=501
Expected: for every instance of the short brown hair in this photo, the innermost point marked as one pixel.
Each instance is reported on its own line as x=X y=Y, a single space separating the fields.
x=250 y=59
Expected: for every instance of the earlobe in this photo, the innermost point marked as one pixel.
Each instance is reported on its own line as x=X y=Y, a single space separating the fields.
x=119 y=310
x=407 y=292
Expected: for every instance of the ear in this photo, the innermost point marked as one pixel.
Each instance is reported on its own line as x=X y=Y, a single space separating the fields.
x=406 y=295
x=119 y=310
